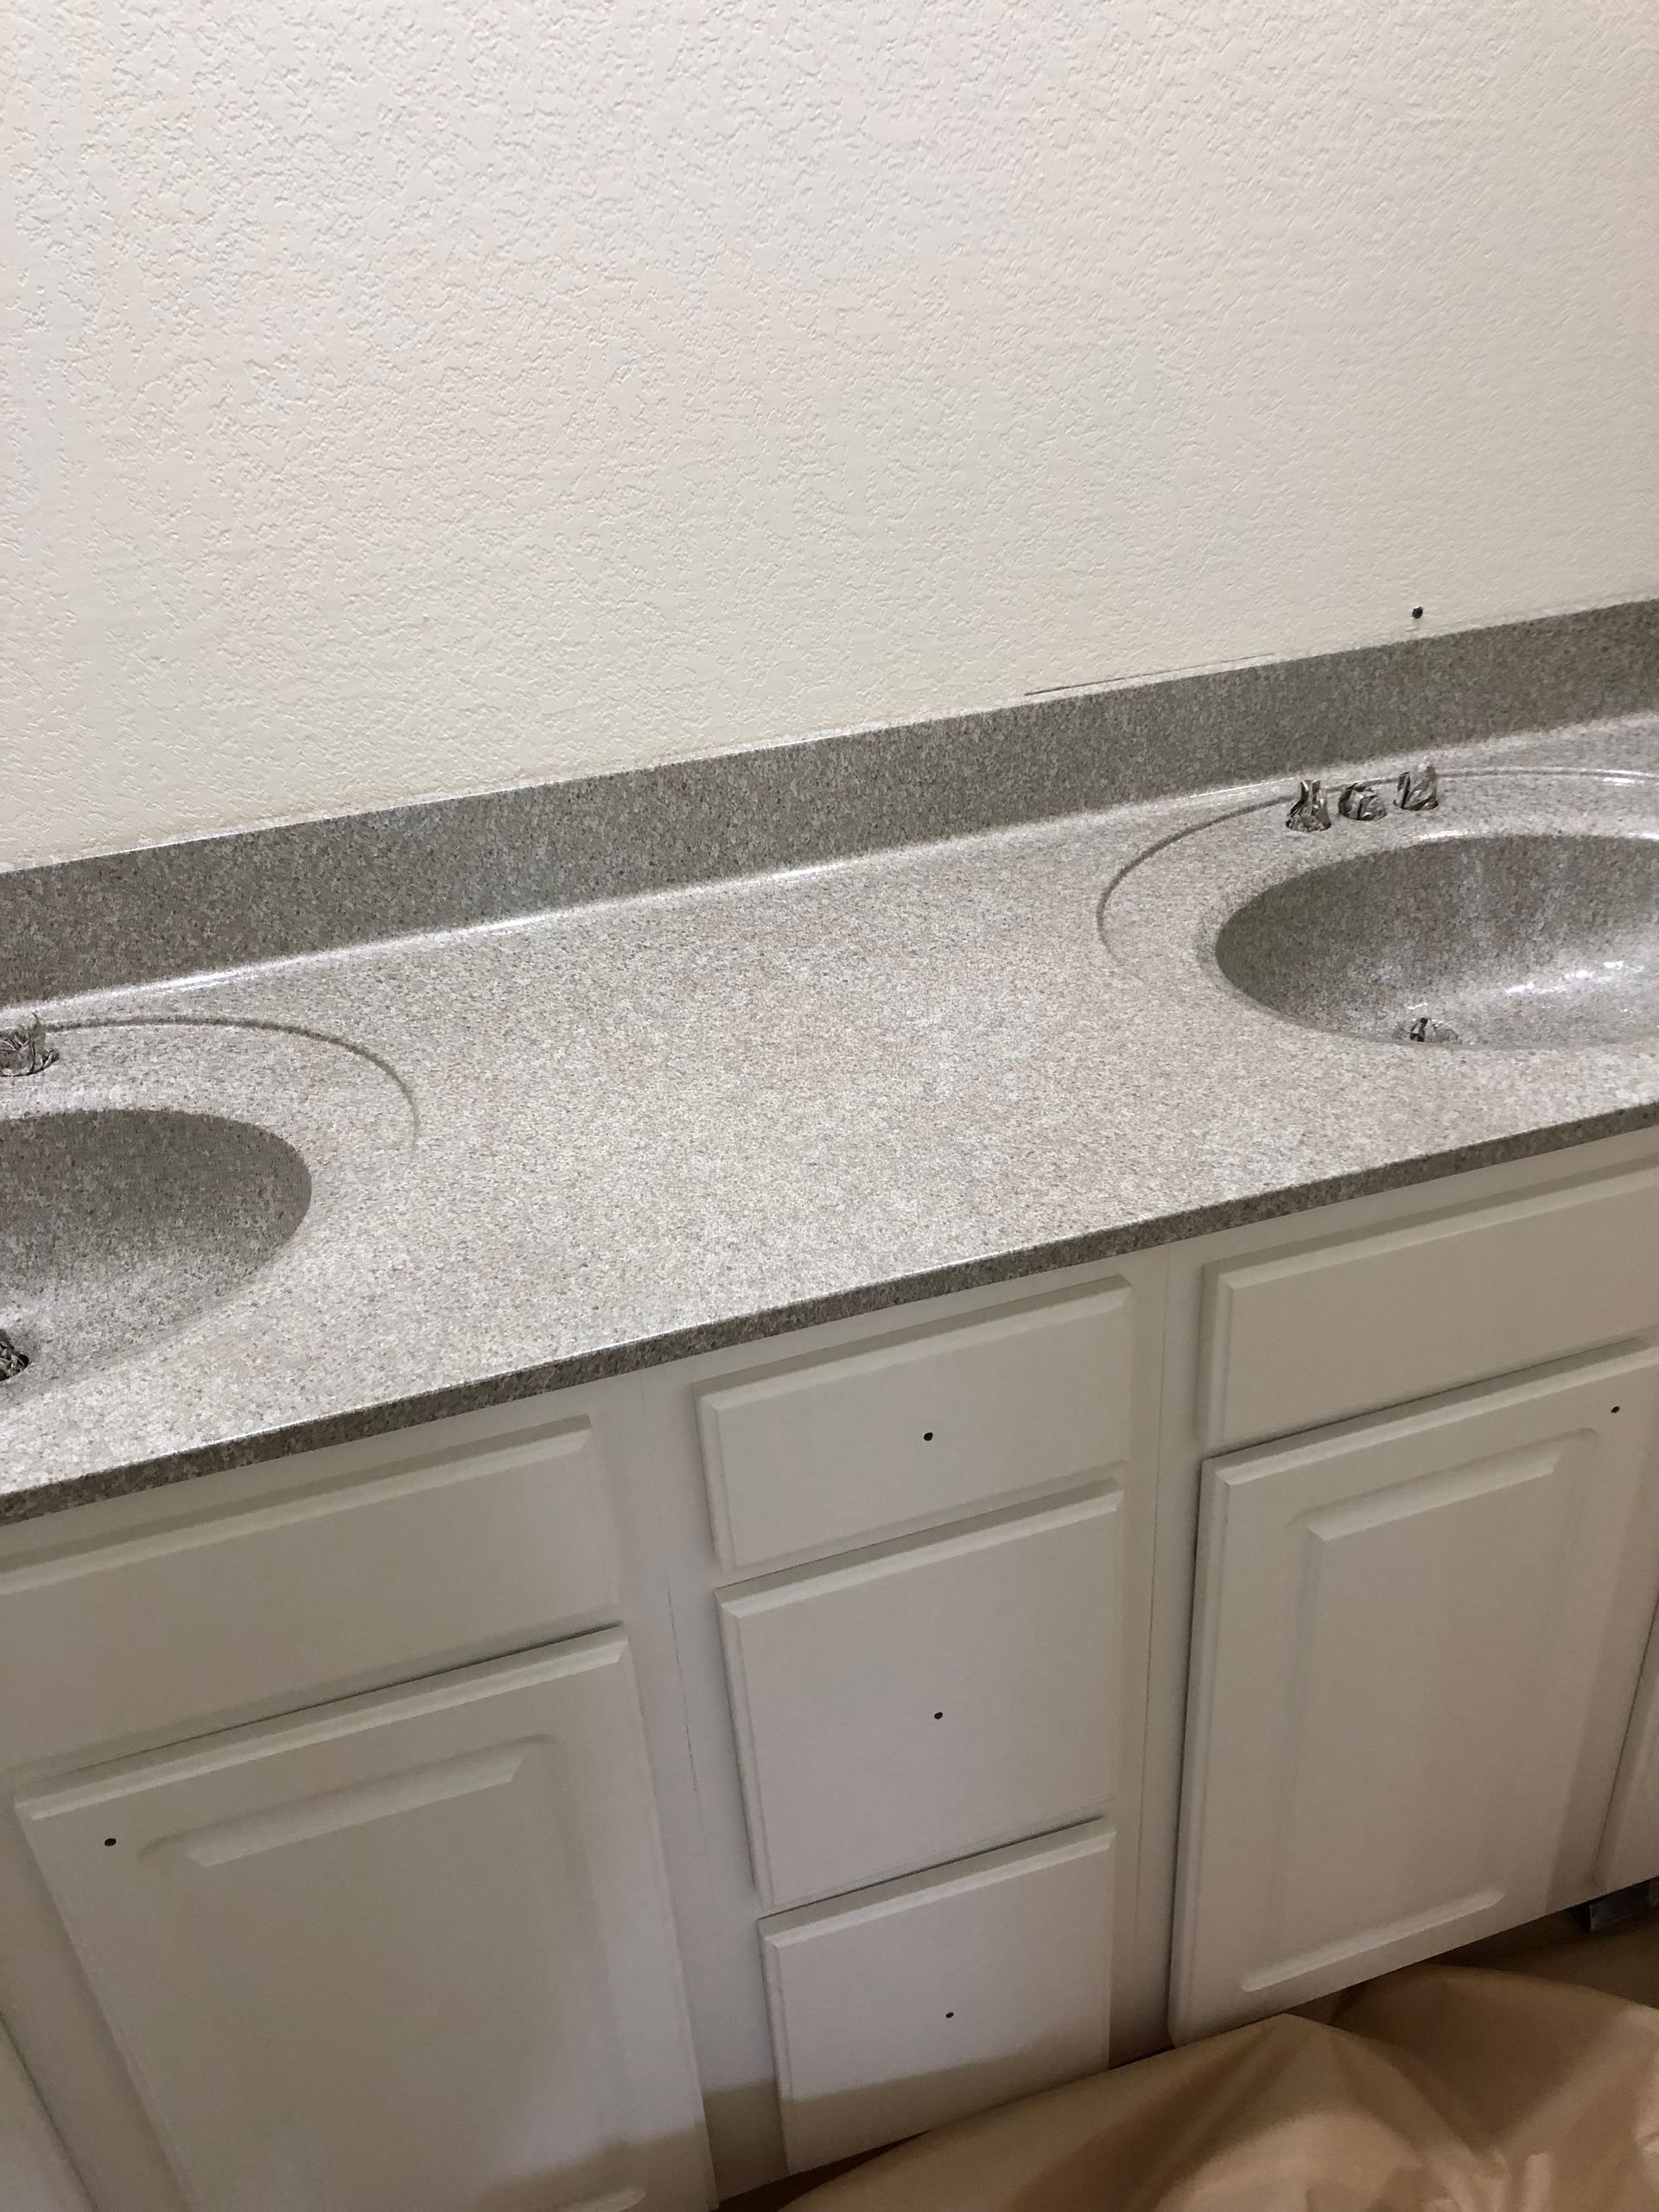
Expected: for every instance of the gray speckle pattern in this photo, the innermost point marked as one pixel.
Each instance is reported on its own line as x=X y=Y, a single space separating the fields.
x=653 y=1126
x=216 y=902
x=152 y=1178
x=1523 y=939
x=1523 y=912
x=120 y=1223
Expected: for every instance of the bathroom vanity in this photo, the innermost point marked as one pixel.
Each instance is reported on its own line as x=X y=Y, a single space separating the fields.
x=441 y=1818
x=831 y=1499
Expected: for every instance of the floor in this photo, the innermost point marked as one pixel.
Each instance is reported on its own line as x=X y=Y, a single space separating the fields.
x=776 y=2193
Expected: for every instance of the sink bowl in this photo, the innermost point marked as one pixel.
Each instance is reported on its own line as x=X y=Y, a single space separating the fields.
x=1516 y=939
x=117 y=1224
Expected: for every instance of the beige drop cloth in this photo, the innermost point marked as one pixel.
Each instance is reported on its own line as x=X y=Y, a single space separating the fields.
x=1445 y=2088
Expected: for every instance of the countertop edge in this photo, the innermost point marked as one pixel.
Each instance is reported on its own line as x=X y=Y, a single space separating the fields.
x=120 y=1479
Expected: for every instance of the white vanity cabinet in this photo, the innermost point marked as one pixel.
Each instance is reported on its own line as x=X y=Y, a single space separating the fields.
x=408 y=1954
x=409 y=1949
x=813 y=1740
x=1399 y=1624
x=1415 y=1631
x=930 y=1728
x=405 y=1953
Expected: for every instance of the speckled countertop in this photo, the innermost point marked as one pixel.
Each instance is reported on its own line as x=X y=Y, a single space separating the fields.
x=600 y=1137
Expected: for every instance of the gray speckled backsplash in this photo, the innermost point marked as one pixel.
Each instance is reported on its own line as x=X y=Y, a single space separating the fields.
x=207 y=903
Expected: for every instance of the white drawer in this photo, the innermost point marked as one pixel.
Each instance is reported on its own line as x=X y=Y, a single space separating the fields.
x=928 y=1999
x=819 y=1453
x=926 y=1699
x=446 y=1550
x=1342 y=1327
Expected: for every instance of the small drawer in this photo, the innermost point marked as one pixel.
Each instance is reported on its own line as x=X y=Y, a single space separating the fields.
x=441 y=1552
x=1339 y=1328
x=946 y=1994
x=822 y=1452
x=927 y=1699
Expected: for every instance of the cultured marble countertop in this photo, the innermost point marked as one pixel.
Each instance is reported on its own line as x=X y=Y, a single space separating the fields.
x=607 y=1135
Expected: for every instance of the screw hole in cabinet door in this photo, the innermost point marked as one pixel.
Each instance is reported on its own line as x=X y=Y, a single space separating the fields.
x=109 y=1843
x=927 y=1436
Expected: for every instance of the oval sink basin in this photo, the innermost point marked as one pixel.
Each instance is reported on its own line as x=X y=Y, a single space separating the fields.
x=118 y=1224
x=1516 y=939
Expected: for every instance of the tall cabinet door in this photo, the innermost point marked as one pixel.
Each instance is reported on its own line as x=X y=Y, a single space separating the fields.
x=408 y=1953
x=1398 y=1628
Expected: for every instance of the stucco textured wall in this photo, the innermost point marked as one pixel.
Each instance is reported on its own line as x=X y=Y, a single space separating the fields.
x=417 y=395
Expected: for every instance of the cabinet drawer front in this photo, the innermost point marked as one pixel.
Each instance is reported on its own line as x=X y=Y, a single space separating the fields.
x=412 y=1953
x=1398 y=1631
x=1314 y=1336
x=439 y=1555
x=934 y=1422
x=930 y=1998
x=926 y=1700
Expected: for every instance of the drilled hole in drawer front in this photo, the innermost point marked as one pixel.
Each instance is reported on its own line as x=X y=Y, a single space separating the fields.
x=1346 y=1325
x=1014 y=1626
x=901 y=2007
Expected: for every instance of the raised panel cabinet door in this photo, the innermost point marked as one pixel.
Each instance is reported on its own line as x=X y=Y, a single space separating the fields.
x=409 y=1953
x=1396 y=1633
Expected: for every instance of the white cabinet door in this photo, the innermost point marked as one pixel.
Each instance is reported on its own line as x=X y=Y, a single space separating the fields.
x=408 y=1953
x=1396 y=1633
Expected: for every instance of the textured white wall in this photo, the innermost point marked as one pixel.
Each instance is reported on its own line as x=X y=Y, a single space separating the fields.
x=417 y=395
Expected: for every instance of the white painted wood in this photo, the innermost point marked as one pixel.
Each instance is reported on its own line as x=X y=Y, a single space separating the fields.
x=1630 y=1845
x=433 y=1557
x=35 y=2175
x=1399 y=1625
x=1141 y=1974
x=409 y=1953
x=1350 y=1324
x=647 y=1427
x=706 y=1836
x=824 y=1450
x=926 y=1699
x=913 y=2004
